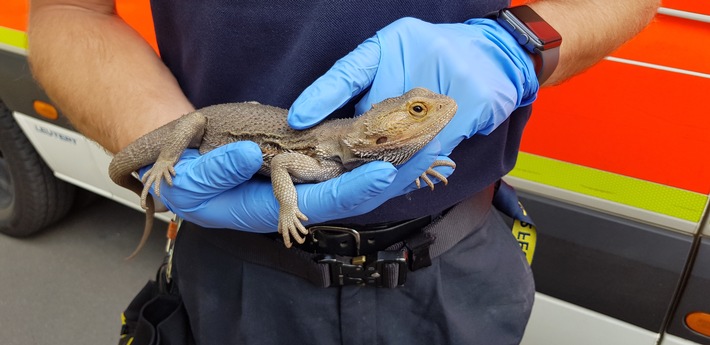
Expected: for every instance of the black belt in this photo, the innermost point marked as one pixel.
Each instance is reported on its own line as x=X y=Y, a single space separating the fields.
x=356 y=240
x=385 y=267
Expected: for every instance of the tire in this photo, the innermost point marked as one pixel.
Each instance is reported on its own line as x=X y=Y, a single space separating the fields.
x=30 y=196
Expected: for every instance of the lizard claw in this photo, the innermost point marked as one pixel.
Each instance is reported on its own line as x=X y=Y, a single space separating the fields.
x=427 y=180
x=154 y=177
x=424 y=176
x=290 y=226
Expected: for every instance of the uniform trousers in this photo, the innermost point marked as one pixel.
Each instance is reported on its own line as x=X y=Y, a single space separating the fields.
x=480 y=291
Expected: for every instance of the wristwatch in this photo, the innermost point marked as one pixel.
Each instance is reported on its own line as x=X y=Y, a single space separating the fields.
x=535 y=34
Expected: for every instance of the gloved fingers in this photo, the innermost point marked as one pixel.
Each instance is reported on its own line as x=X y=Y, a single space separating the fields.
x=252 y=206
x=338 y=197
x=200 y=177
x=346 y=79
x=404 y=181
x=222 y=168
x=221 y=210
x=520 y=68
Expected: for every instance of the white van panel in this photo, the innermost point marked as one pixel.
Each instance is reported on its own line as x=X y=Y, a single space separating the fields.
x=555 y=322
x=77 y=160
x=673 y=340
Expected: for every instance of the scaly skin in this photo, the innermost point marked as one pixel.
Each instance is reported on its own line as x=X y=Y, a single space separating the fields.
x=393 y=131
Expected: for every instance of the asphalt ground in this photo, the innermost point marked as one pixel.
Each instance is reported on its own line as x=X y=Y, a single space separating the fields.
x=69 y=283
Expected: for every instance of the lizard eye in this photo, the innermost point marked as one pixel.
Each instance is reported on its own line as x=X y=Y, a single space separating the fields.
x=418 y=109
x=381 y=140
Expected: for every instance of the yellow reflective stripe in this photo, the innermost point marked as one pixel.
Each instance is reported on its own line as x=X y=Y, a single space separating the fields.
x=123 y=336
x=13 y=37
x=645 y=195
x=526 y=235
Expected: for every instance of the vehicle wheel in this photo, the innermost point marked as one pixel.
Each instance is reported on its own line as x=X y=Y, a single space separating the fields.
x=30 y=196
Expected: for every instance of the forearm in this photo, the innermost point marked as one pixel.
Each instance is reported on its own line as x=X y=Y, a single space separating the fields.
x=591 y=29
x=101 y=73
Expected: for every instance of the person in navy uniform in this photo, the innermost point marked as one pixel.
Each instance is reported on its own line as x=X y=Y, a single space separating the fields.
x=330 y=59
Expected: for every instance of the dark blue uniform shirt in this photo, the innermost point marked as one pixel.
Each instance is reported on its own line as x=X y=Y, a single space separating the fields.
x=478 y=292
x=269 y=51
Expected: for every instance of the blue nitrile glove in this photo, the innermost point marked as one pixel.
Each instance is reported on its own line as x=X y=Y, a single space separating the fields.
x=477 y=63
x=216 y=190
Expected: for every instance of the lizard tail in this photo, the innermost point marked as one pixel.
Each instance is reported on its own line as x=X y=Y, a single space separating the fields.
x=149 y=217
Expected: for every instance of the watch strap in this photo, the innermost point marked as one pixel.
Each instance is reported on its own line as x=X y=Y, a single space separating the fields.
x=534 y=34
x=545 y=63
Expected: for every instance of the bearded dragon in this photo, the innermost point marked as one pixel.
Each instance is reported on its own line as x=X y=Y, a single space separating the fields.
x=392 y=130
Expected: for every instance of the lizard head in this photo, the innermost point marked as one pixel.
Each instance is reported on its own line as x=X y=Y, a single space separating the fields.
x=396 y=128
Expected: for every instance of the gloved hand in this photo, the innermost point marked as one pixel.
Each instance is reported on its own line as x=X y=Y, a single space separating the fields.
x=477 y=63
x=216 y=190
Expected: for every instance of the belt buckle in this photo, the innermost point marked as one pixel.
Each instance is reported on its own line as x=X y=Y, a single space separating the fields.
x=383 y=269
x=352 y=232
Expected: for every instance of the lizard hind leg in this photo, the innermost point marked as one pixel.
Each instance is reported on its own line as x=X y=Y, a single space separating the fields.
x=160 y=171
x=186 y=132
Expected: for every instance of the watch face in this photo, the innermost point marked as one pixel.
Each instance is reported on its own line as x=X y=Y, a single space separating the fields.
x=542 y=35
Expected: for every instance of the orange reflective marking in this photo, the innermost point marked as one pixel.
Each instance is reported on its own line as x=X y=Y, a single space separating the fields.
x=138 y=15
x=14 y=14
x=699 y=322
x=696 y=6
x=46 y=110
x=672 y=42
x=629 y=120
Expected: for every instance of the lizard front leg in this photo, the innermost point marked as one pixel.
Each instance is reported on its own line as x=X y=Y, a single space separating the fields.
x=187 y=132
x=289 y=167
x=434 y=173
